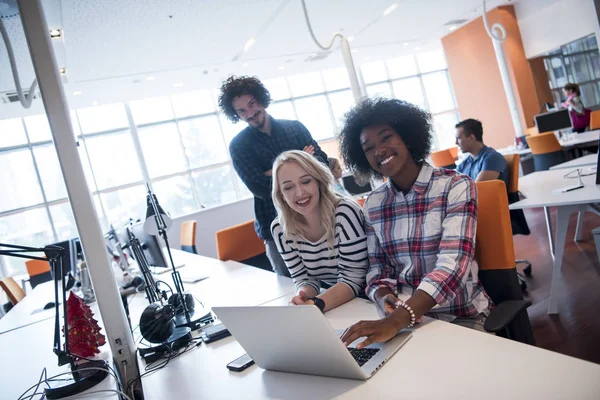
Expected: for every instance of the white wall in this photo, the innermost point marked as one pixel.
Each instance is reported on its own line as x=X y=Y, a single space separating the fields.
x=211 y=220
x=547 y=24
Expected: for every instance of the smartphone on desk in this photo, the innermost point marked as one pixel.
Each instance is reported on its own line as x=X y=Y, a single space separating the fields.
x=240 y=363
x=214 y=332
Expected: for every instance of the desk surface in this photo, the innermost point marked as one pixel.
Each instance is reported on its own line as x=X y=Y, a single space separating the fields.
x=30 y=310
x=477 y=365
x=585 y=161
x=579 y=139
x=538 y=189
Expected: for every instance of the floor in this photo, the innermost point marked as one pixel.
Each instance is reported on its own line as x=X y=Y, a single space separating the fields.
x=575 y=331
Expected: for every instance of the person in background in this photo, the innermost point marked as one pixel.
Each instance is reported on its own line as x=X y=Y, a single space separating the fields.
x=319 y=234
x=336 y=171
x=420 y=224
x=254 y=149
x=484 y=163
x=580 y=116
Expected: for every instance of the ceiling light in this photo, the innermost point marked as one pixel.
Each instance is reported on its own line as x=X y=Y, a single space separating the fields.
x=453 y=27
x=94 y=103
x=63 y=71
x=55 y=33
x=405 y=43
x=390 y=9
x=178 y=84
x=77 y=93
x=281 y=67
x=249 y=44
x=150 y=78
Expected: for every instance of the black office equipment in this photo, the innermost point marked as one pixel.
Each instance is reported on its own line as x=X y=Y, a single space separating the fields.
x=150 y=246
x=353 y=187
x=553 y=121
x=598 y=164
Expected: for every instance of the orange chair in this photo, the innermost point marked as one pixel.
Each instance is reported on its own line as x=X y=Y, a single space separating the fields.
x=188 y=237
x=595 y=120
x=361 y=201
x=39 y=272
x=443 y=159
x=454 y=152
x=241 y=243
x=531 y=131
x=547 y=151
x=13 y=290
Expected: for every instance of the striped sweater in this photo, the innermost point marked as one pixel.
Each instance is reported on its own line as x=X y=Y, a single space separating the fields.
x=312 y=262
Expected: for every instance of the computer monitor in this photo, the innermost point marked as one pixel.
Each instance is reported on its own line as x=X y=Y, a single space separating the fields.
x=353 y=187
x=553 y=121
x=70 y=259
x=150 y=246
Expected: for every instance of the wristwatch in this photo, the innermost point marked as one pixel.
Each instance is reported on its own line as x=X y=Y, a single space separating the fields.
x=319 y=303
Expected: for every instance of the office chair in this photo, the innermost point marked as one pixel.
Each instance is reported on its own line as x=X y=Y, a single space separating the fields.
x=39 y=272
x=595 y=120
x=361 y=202
x=13 y=290
x=531 y=131
x=547 y=151
x=241 y=243
x=443 y=159
x=517 y=217
x=495 y=254
x=454 y=152
x=188 y=237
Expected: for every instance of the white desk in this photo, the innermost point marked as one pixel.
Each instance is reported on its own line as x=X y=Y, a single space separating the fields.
x=585 y=161
x=590 y=138
x=538 y=189
x=30 y=310
x=441 y=361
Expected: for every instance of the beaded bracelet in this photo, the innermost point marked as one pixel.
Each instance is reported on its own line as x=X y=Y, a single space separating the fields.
x=413 y=318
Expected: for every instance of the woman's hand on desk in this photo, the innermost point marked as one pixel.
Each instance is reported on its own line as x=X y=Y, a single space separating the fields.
x=303 y=298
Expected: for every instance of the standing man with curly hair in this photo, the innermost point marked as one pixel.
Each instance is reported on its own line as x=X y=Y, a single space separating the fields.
x=254 y=149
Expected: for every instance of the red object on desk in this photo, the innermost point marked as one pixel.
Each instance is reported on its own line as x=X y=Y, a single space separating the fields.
x=83 y=330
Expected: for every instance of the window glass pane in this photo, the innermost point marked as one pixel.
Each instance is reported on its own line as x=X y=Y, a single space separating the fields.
x=50 y=172
x=243 y=189
x=282 y=110
x=12 y=133
x=313 y=112
x=123 y=204
x=432 y=61
x=379 y=89
x=278 y=88
x=438 y=92
x=176 y=195
x=341 y=103
x=20 y=187
x=162 y=149
x=215 y=186
x=113 y=159
x=444 y=130
x=588 y=95
x=151 y=110
x=64 y=222
x=336 y=78
x=102 y=118
x=100 y=214
x=594 y=64
x=29 y=228
x=409 y=90
x=38 y=128
x=193 y=103
x=304 y=84
x=401 y=67
x=230 y=130
x=373 y=72
x=580 y=68
x=203 y=141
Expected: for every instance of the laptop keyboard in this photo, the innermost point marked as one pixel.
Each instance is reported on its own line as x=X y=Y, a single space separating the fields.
x=362 y=355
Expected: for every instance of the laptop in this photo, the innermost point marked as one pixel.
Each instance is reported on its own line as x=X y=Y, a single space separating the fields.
x=299 y=339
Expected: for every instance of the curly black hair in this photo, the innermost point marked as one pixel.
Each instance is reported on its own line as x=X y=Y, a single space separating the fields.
x=412 y=123
x=235 y=86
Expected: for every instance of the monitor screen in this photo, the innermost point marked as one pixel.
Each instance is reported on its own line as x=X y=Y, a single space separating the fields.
x=150 y=245
x=353 y=187
x=70 y=259
x=553 y=121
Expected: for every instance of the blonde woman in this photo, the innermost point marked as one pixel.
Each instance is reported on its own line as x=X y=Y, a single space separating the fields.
x=319 y=234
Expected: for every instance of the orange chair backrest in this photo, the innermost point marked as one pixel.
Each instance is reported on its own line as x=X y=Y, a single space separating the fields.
x=13 y=290
x=442 y=158
x=494 y=248
x=595 y=120
x=543 y=143
x=531 y=131
x=361 y=201
x=188 y=233
x=36 y=267
x=239 y=242
x=453 y=152
x=513 y=161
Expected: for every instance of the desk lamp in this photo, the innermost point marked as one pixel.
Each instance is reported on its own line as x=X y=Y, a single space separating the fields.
x=83 y=378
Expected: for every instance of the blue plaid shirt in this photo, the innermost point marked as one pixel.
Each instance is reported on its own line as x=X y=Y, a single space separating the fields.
x=253 y=153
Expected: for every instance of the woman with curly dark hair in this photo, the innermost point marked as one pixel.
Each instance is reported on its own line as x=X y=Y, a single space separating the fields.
x=256 y=147
x=420 y=224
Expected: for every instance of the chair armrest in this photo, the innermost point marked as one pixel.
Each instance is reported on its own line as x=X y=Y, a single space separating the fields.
x=503 y=314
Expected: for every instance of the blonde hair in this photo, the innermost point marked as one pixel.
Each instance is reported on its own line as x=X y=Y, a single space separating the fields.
x=292 y=221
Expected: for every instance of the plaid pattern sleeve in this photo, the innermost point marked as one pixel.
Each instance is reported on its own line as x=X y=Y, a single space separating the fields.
x=381 y=273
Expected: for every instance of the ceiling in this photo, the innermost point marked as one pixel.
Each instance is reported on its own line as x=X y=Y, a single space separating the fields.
x=117 y=50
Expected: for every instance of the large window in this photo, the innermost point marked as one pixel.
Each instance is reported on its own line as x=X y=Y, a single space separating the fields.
x=179 y=144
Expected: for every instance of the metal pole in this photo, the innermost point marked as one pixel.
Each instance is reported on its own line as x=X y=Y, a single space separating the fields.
x=109 y=301
x=349 y=62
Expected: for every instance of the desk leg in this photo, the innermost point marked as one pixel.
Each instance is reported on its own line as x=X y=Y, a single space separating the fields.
x=562 y=223
x=579 y=226
x=549 y=228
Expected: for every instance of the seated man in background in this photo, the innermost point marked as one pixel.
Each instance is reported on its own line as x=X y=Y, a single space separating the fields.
x=484 y=163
